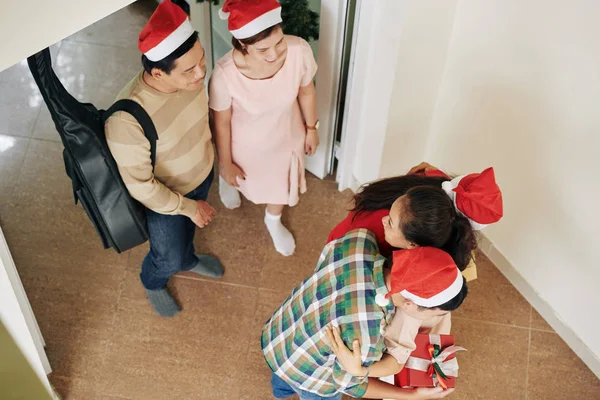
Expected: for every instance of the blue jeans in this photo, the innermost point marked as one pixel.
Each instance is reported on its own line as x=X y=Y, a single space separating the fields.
x=282 y=390
x=171 y=243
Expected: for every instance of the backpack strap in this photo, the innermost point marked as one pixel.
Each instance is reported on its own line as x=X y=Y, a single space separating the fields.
x=142 y=117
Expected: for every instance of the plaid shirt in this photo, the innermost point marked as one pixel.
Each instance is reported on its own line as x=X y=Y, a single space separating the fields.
x=341 y=292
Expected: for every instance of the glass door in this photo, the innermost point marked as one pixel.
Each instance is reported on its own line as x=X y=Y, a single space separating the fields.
x=328 y=51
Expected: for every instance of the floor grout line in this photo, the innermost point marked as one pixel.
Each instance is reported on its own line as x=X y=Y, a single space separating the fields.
x=48 y=140
x=18 y=178
x=223 y=283
x=489 y=322
x=250 y=339
x=31 y=137
x=132 y=47
x=543 y=330
x=114 y=319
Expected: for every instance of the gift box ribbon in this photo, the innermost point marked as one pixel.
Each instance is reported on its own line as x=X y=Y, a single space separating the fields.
x=436 y=367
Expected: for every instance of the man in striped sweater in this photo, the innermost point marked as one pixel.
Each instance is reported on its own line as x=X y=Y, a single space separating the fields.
x=171 y=89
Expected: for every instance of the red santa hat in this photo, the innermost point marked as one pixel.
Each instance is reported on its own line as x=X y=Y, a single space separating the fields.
x=167 y=29
x=425 y=275
x=477 y=197
x=246 y=18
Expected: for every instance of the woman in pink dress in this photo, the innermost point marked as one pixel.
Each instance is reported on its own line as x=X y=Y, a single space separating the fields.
x=264 y=107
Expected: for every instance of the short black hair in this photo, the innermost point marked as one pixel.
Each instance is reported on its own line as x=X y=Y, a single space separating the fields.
x=168 y=63
x=452 y=304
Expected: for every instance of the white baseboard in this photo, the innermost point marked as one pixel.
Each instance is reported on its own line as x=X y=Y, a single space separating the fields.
x=540 y=305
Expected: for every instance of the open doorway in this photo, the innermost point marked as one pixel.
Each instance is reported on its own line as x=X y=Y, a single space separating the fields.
x=332 y=51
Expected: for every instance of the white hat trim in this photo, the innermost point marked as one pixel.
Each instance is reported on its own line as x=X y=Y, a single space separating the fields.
x=171 y=42
x=441 y=298
x=223 y=15
x=449 y=187
x=259 y=24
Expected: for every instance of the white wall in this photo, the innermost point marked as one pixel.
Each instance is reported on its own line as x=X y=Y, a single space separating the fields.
x=423 y=45
x=514 y=84
x=398 y=61
x=521 y=92
x=30 y=26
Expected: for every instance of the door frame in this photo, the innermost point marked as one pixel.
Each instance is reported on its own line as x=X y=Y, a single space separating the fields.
x=330 y=52
x=373 y=64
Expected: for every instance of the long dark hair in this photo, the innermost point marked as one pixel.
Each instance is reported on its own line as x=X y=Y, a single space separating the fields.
x=429 y=219
x=383 y=193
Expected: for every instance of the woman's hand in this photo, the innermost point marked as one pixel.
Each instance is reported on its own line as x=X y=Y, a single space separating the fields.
x=421 y=168
x=350 y=360
x=230 y=172
x=432 y=393
x=311 y=142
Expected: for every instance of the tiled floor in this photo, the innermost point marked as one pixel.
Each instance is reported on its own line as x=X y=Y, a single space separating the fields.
x=103 y=340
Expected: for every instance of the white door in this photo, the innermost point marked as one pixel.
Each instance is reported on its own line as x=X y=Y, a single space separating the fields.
x=328 y=51
x=17 y=316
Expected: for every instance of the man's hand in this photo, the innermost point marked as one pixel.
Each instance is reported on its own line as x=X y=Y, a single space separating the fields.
x=350 y=360
x=204 y=214
x=421 y=168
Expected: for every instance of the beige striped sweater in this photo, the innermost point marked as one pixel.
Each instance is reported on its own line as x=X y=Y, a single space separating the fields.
x=184 y=151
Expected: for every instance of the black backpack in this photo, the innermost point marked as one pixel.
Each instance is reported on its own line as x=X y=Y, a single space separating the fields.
x=97 y=185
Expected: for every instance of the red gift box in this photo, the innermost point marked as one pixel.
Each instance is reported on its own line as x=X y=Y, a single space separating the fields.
x=431 y=364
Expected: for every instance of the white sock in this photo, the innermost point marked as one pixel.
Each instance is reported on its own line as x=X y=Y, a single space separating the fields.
x=282 y=238
x=230 y=197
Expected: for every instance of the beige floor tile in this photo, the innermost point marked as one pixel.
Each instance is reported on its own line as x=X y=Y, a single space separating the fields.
x=320 y=209
x=538 y=322
x=78 y=64
x=256 y=375
x=76 y=325
x=43 y=180
x=18 y=73
x=492 y=298
x=495 y=364
x=77 y=356
x=197 y=355
x=19 y=108
x=75 y=388
x=238 y=238
x=74 y=306
x=268 y=302
x=12 y=156
x=44 y=126
x=555 y=372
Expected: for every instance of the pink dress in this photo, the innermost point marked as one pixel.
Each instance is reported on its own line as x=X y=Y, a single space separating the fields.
x=267 y=127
